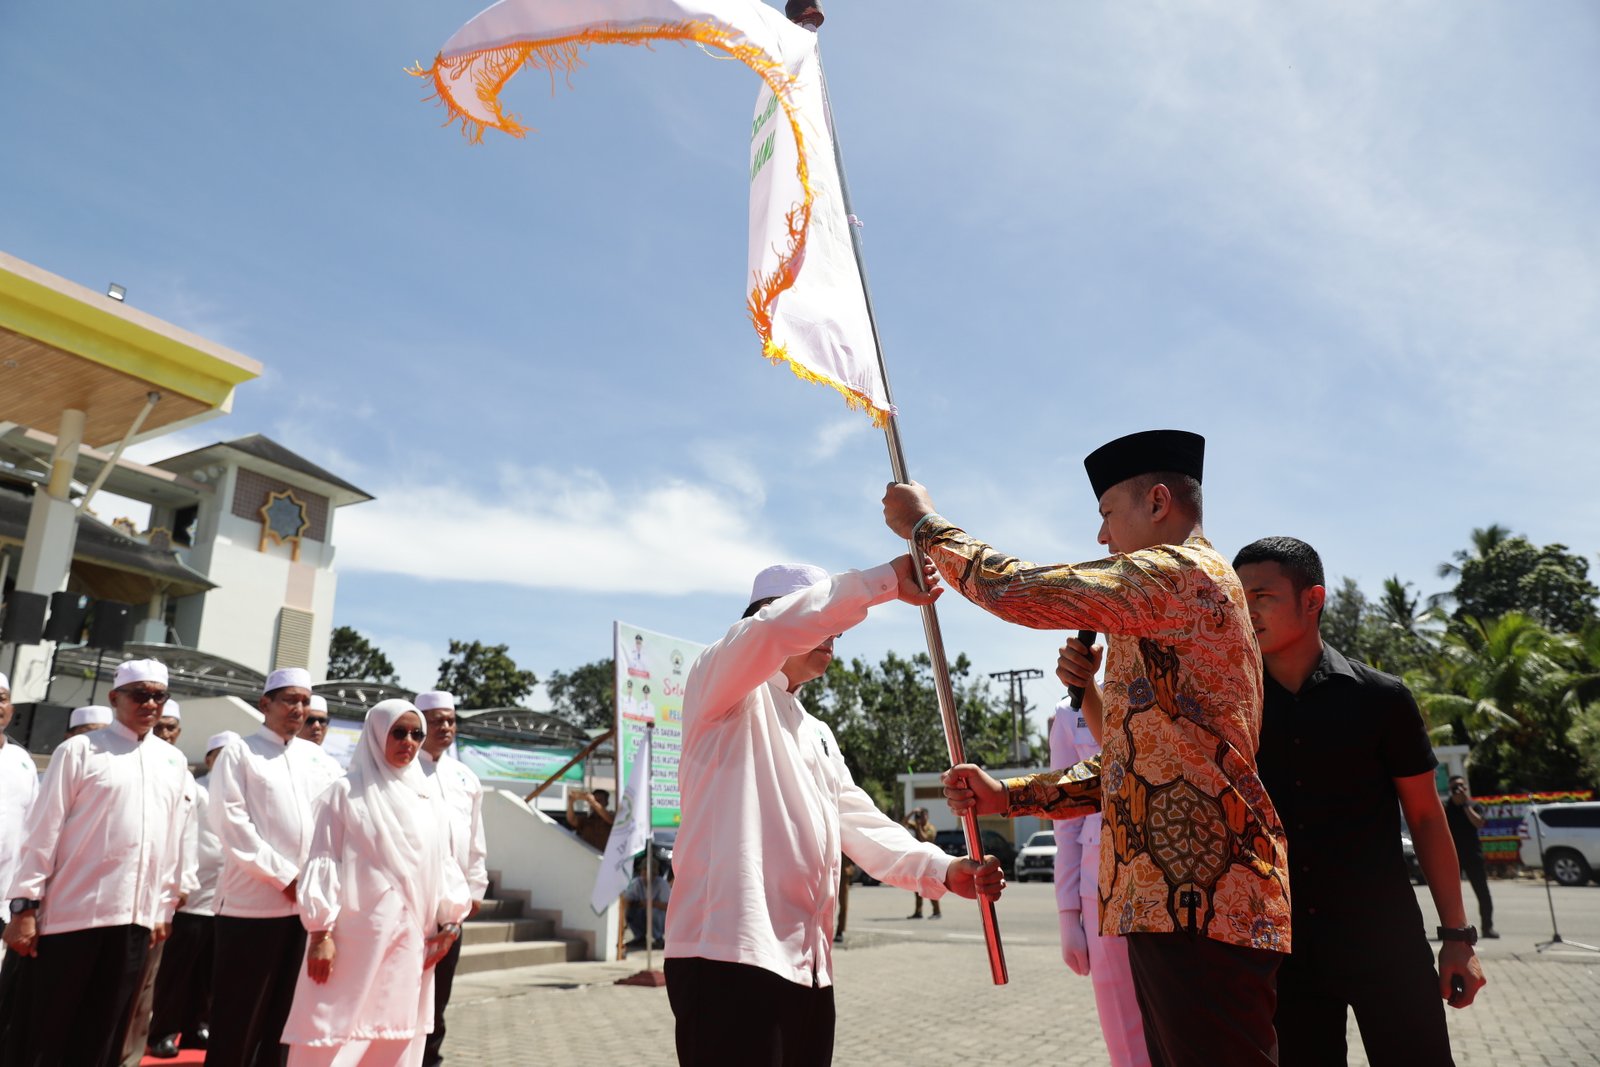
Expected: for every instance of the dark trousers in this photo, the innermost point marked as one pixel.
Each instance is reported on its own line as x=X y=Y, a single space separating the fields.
x=1472 y=867
x=1204 y=1002
x=444 y=978
x=1394 y=991
x=79 y=990
x=732 y=1013
x=255 y=966
x=183 y=984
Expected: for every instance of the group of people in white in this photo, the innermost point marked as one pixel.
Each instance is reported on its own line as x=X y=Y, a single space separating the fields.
x=318 y=910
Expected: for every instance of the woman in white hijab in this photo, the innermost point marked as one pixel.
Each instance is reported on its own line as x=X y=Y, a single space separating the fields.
x=381 y=898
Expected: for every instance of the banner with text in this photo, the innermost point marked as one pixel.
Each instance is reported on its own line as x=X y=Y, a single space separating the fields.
x=651 y=669
x=1502 y=830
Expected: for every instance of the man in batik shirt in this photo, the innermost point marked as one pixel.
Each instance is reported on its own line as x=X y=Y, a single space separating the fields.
x=1193 y=869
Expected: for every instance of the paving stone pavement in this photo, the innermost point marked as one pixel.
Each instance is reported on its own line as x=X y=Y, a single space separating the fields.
x=931 y=1004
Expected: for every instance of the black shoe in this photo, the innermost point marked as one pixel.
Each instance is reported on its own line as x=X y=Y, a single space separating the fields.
x=915 y=915
x=1492 y=932
x=659 y=944
x=165 y=1049
x=838 y=938
x=637 y=942
x=199 y=1039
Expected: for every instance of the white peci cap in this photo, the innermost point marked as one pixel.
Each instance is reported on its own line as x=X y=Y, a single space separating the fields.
x=319 y=703
x=93 y=715
x=170 y=710
x=781 y=579
x=140 y=670
x=284 y=677
x=434 y=699
x=221 y=740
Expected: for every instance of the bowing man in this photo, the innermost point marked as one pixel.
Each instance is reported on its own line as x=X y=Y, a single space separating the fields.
x=98 y=877
x=768 y=809
x=382 y=898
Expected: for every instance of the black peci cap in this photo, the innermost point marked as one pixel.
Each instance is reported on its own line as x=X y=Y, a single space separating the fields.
x=1144 y=452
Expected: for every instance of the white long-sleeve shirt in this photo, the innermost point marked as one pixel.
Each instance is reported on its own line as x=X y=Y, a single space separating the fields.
x=103 y=839
x=463 y=795
x=768 y=803
x=200 y=840
x=1076 y=839
x=19 y=784
x=262 y=793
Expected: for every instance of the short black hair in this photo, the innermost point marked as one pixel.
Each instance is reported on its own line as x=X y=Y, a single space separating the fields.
x=1185 y=489
x=757 y=605
x=1298 y=559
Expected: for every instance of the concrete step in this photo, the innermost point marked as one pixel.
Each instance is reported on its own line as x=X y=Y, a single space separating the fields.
x=499 y=956
x=509 y=931
x=500 y=909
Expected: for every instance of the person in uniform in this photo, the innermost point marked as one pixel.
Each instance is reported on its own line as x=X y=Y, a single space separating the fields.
x=99 y=876
x=263 y=789
x=463 y=802
x=1193 y=865
x=381 y=897
x=769 y=807
x=1077 y=880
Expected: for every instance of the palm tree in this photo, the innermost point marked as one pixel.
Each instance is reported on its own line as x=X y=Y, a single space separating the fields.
x=1484 y=541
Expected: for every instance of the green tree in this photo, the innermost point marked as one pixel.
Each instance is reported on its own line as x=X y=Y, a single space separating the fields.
x=1549 y=584
x=1503 y=686
x=352 y=657
x=585 y=696
x=484 y=676
x=886 y=718
x=1484 y=541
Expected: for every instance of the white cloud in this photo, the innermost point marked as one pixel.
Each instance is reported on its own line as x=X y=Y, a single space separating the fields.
x=546 y=529
x=833 y=436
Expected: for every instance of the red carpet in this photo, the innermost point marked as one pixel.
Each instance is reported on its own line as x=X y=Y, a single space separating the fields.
x=188 y=1056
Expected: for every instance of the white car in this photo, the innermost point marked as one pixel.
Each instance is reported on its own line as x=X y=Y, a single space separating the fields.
x=1571 y=835
x=1038 y=857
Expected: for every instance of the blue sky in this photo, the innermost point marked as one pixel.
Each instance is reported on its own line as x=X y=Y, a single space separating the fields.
x=1358 y=247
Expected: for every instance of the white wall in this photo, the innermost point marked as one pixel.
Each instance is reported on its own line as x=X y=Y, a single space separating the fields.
x=548 y=869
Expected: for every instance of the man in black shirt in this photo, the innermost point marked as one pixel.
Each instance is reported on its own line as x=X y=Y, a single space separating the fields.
x=1465 y=819
x=1343 y=750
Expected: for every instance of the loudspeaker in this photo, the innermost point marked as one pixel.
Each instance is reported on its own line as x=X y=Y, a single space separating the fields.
x=111 y=625
x=67 y=614
x=24 y=619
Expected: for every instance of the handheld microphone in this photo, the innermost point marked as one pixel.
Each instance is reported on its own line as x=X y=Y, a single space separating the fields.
x=1075 y=692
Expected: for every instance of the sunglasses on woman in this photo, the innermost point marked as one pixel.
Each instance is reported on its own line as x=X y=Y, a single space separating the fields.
x=400 y=733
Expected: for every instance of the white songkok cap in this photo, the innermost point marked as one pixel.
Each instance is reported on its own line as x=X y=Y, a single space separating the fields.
x=319 y=703
x=284 y=677
x=435 y=699
x=93 y=715
x=5 y=683
x=170 y=710
x=781 y=579
x=222 y=740
x=140 y=670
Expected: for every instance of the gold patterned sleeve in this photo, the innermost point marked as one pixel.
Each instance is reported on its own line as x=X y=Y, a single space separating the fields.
x=1134 y=594
x=1069 y=794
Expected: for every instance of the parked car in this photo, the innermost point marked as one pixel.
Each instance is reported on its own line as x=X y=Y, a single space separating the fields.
x=955 y=843
x=1571 y=835
x=1038 y=857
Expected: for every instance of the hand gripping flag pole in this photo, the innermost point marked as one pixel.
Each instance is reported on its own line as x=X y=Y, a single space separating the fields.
x=810 y=16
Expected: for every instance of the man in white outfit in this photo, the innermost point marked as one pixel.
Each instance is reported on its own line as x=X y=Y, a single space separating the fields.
x=263 y=789
x=99 y=876
x=1103 y=959
x=769 y=807
x=463 y=797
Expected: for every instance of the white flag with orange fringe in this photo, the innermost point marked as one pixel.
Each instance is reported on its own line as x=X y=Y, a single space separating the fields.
x=806 y=299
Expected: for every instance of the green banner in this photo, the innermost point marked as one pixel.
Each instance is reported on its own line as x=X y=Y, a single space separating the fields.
x=651 y=670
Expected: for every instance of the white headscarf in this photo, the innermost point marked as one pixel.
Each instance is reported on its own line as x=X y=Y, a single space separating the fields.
x=399 y=821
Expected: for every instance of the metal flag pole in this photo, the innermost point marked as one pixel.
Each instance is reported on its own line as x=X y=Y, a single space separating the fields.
x=809 y=16
x=649 y=848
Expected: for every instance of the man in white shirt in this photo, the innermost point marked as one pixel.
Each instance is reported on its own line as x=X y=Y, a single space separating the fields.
x=315 y=729
x=181 y=1008
x=768 y=808
x=262 y=793
x=463 y=796
x=99 y=875
x=19 y=784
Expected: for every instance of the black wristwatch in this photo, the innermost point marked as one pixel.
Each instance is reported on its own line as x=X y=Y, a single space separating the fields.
x=22 y=904
x=1469 y=934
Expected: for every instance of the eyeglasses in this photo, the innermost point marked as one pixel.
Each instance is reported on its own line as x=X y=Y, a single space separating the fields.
x=400 y=733
x=316 y=720
x=157 y=697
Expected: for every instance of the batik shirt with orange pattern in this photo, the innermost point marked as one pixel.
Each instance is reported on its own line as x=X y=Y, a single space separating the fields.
x=1191 y=841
